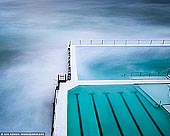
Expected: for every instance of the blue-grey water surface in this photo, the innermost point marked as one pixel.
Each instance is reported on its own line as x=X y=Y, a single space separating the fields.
x=33 y=39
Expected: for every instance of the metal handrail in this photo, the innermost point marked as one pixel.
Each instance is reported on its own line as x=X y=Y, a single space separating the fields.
x=69 y=62
x=120 y=42
x=149 y=74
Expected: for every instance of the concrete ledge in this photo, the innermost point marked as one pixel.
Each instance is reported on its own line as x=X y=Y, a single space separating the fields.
x=117 y=82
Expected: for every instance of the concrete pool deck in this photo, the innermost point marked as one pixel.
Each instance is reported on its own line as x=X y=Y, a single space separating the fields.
x=61 y=107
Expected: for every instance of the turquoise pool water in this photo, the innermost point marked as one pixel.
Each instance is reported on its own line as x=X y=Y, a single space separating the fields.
x=113 y=62
x=114 y=110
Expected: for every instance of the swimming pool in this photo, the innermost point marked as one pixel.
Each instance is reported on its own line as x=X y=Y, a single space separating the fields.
x=114 y=110
x=121 y=62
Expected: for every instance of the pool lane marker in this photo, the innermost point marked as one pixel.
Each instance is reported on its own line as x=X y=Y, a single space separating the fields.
x=121 y=94
x=114 y=114
x=148 y=113
x=96 y=113
x=80 y=120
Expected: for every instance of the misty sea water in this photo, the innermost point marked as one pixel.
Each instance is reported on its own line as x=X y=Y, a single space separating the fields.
x=34 y=36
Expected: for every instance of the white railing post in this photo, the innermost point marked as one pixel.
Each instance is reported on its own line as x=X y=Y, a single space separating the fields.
x=126 y=42
x=91 y=42
x=163 y=42
x=102 y=42
x=70 y=43
x=150 y=42
x=138 y=41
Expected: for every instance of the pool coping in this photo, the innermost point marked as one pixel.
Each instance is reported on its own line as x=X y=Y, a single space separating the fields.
x=121 y=82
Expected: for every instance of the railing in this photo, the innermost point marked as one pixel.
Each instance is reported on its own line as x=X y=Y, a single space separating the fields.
x=69 y=62
x=147 y=74
x=121 y=42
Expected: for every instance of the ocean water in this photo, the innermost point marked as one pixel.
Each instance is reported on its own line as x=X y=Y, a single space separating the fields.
x=34 y=36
